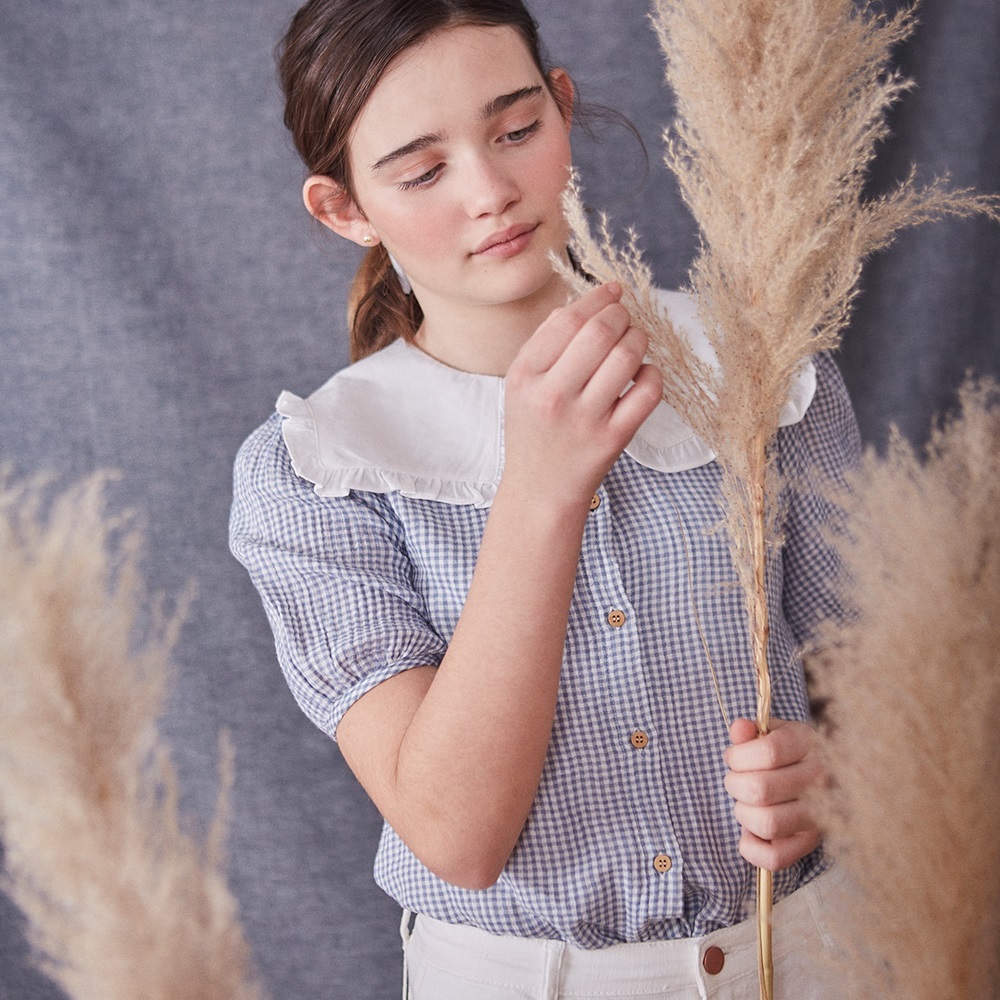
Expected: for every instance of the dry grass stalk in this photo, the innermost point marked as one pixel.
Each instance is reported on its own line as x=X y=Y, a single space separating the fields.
x=121 y=902
x=914 y=688
x=779 y=108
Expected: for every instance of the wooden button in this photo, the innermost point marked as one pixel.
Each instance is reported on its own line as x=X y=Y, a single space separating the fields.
x=662 y=863
x=616 y=618
x=595 y=502
x=639 y=739
x=713 y=960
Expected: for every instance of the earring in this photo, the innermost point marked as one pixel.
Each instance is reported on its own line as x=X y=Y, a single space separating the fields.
x=404 y=282
x=367 y=239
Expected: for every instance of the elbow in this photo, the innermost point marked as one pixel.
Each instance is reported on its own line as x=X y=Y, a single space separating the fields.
x=474 y=866
x=469 y=876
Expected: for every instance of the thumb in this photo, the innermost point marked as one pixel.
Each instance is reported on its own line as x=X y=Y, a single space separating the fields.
x=743 y=731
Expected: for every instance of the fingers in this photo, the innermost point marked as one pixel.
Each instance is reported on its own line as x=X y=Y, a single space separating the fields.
x=775 y=855
x=552 y=338
x=774 y=822
x=602 y=362
x=787 y=743
x=638 y=401
x=590 y=347
x=769 y=777
x=743 y=731
x=576 y=393
x=773 y=788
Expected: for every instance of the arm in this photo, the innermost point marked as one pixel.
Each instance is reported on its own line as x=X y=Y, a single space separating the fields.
x=452 y=757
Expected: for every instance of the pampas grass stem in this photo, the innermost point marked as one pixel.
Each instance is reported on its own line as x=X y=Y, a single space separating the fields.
x=121 y=902
x=779 y=109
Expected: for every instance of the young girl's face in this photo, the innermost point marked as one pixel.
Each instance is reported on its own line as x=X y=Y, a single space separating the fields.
x=458 y=161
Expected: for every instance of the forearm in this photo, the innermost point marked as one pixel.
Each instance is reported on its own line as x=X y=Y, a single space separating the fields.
x=470 y=760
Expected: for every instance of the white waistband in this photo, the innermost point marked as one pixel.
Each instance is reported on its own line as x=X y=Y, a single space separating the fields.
x=643 y=967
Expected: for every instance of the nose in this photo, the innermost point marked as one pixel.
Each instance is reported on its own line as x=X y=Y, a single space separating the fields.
x=490 y=188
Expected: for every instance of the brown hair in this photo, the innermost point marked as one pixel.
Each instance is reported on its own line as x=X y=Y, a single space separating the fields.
x=329 y=62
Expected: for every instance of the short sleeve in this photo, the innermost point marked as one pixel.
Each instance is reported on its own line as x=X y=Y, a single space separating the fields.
x=815 y=457
x=334 y=578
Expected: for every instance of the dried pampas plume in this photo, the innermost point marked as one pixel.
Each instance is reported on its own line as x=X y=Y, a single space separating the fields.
x=913 y=681
x=779 y=108
x=121 y=902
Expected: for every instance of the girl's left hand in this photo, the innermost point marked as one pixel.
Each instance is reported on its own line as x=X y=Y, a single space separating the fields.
x=769 y=777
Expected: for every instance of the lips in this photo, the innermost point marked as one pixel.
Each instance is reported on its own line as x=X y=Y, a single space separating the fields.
x=509 y=240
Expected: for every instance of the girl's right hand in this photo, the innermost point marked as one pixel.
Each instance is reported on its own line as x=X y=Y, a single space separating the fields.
x=570 y=410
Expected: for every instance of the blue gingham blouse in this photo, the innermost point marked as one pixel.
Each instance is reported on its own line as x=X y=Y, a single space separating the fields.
x=363 y=558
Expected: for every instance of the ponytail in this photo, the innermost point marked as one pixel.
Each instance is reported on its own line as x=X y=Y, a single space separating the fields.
x=378 y=311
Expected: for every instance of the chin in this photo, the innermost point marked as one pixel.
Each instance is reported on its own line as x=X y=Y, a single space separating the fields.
x=537 y=278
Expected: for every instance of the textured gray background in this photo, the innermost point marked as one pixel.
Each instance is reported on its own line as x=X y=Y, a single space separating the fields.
x=160 y=283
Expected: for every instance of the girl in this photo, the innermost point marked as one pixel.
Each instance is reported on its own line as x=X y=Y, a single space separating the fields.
x=485 y=550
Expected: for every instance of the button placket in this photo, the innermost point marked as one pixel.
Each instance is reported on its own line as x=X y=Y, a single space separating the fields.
x=634 y=718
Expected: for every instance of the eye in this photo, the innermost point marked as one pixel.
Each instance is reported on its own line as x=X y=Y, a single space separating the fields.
x=520 y=134
x=422 y=181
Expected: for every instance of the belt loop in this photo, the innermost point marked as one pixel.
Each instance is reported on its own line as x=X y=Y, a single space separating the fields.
x=554 y=952
x=406 y=932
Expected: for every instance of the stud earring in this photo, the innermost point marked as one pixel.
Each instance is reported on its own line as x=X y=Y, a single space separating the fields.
x=367 y=239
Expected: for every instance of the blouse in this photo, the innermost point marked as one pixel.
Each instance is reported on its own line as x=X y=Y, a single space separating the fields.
x=358 y=513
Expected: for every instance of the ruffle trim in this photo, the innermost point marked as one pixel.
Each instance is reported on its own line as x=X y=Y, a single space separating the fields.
x=300 y=433
x=665 y=443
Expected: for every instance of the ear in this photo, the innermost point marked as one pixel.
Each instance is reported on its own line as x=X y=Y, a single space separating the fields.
x=328 y=202
x=561 y=85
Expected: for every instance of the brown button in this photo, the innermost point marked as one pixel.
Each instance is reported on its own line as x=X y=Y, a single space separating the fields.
x=713 y=960
x=662 y=863
x=595 y=502
x=616 y=618
x=639 y=739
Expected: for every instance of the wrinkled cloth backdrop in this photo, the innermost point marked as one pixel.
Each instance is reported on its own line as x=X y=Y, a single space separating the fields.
x=161 y=283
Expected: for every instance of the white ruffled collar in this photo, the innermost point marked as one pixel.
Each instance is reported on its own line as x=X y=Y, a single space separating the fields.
x=401 y=421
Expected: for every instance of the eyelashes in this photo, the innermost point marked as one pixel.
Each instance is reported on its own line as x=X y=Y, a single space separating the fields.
x=519 y=135
x=422 y=181
x=516 y=137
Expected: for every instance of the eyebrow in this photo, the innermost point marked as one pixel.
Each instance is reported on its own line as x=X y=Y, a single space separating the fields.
x=500 y=104
x=491 y=109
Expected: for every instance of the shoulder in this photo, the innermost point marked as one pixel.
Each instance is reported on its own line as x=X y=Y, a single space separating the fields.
x=267 y=493
x=275 y=510
x=262 y=460
x=827 y=437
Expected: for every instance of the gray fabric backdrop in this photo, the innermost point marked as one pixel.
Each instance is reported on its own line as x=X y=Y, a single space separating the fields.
x=160 y=283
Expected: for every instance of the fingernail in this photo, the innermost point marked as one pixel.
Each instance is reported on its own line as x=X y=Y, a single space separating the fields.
x=614 y=288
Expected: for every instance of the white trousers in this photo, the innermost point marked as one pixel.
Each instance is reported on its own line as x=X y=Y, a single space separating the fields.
x=450 y=962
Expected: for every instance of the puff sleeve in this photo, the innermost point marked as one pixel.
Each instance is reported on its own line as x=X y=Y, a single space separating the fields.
x=334 y=577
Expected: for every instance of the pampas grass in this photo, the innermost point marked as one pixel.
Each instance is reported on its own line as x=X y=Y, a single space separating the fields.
x=121 y=901
x=779 y=109
x=913 y=682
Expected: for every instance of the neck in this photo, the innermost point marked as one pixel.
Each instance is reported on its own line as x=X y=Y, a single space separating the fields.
x=484 y=339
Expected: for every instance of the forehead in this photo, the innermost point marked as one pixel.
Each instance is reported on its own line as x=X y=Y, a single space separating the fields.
x=444 y=81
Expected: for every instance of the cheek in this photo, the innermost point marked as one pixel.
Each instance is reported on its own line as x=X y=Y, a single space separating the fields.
x=556 y=162
x=431 y=240
x=413 y=231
